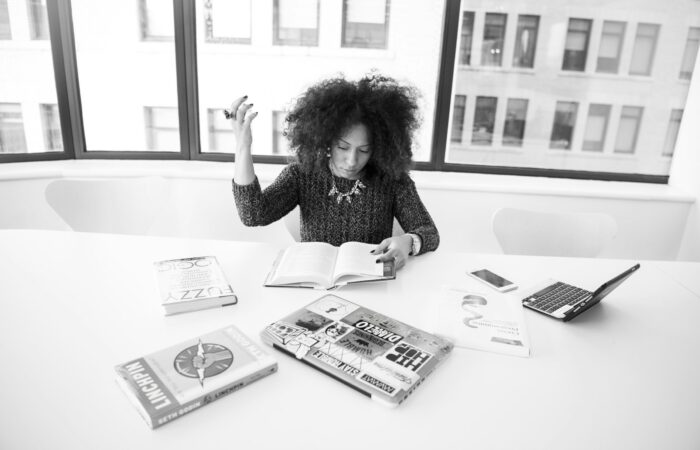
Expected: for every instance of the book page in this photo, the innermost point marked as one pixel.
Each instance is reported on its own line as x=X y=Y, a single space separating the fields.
x=306 y=261
x=354 y=258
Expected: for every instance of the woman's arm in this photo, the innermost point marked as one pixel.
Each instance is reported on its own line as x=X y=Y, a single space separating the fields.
x=241 y=118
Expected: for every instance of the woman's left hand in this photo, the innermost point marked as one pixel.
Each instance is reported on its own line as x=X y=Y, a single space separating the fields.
x=396 y=247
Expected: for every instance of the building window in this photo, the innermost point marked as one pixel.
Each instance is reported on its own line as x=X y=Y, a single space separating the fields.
x=280 y=145
x=157 y=21
x=644 y=49
x=690 y=53
x=514 y=125
x=5 y=29
x=674 y=125
x=465 y=44
x=296 y=22
x=484 y=120
x=162 y=129
x=12 y=138
x=610 y=46
x=630 y=120
x=38 y=19
x=576 y=46
x=365 y=23
x=458 y=110
x=494 y=35
x=53 y=141
x=221 y=138
x=526 y=41
x=563 y=127
x=227 y=21
x=596 y=127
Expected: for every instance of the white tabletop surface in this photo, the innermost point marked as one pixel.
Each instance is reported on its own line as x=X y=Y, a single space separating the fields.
x=625 y=374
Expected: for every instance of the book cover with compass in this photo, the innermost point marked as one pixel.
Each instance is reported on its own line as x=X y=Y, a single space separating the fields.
x=171 y=382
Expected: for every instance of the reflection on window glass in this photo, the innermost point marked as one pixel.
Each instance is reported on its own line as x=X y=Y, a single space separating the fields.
x=674 y=125
x=458 y=110
x=221 y=138
x=156 y=19
x=162 y=131
x=514 y=126
x=280 y=145
x=296 y=22
x=644 y=49
x=525 y=41
x=596 y=127
x=122 y=75
x=12 y=138
x=227 y=21
x=5 y=27
x=465 y=45
x=690 y=53
x=576 y=46
x=484 y=120
x=51 y=125
x=494 y=32
x=563 y=127
x=38 y=19
x=365 y=23
x=610 y=46
x=630 y=119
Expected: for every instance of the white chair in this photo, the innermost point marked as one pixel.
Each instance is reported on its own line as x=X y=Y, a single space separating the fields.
x=527 y=232
x=120 y=205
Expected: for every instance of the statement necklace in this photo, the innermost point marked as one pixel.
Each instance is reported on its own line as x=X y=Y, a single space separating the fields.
x=355 y=190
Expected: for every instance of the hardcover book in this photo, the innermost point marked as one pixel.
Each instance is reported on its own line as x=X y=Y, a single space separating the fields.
x=189 y=284
x=169 y=383
x=493 y=322
x=323 y=266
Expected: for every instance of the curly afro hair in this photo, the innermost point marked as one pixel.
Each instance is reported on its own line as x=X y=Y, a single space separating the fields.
x=329 y=108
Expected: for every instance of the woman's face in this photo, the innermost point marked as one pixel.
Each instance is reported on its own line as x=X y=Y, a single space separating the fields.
x=351 y=152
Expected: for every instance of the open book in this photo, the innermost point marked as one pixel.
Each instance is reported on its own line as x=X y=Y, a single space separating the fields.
x=324 y=266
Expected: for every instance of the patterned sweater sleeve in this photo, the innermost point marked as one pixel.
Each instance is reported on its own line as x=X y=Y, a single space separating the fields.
x=257 y=207
x=413 y=216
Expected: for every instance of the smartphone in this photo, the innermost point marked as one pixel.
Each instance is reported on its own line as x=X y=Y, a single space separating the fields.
x=496 y=282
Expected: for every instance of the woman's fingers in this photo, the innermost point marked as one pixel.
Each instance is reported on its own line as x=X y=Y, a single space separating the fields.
x=232 y=113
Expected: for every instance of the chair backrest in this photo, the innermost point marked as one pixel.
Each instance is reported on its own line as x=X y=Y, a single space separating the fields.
x=527 y=232
x=120 y=205
x=292 y=222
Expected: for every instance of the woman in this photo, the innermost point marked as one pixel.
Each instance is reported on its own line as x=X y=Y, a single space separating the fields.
x=350 y=179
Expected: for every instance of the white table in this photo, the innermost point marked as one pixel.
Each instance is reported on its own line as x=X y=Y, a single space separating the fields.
x=626 y=374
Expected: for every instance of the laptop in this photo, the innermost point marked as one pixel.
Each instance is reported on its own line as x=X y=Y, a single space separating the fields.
x=381 y=357
x=564 y=302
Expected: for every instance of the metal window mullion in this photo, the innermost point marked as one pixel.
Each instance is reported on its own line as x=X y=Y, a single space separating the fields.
x=183 y=96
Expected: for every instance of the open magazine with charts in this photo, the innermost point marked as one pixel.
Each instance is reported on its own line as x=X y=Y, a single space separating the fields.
x=324 y=266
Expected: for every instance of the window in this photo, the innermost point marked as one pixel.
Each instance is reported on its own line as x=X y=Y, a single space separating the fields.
x=674 y=125
x=227 y=21
x=280 y=145
x=564 y=123
x=12 y=138
x=296 y=22
x=38 y=19
x=596 y=127
x=465 y=45
x=156 y=17
x=494 y=35
x=162 y=132
x=221 y=138
x=484 y=120
x=525 y=41
x=514 y=125
x=644 y=48
x=690 y=53
x=365 y=23
x=630 y=119
x=458 y=110
x=610 y=46
x=5 y=29
x=576 y=46
x=51 y=124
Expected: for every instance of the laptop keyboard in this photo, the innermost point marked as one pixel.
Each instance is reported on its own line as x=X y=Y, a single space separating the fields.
x=557 y=295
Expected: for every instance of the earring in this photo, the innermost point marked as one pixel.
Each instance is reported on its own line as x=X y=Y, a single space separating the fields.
x=328 y=152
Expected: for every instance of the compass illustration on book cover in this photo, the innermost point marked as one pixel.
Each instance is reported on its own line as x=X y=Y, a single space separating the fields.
x=203 y=360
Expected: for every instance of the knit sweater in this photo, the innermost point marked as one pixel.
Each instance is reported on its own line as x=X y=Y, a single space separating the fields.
x=367 y=218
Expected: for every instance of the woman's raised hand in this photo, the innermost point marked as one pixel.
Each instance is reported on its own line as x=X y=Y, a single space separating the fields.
x=241 y=116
